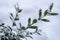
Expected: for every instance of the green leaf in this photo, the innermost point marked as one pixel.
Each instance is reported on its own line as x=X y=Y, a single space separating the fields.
x=29 y=21
x=40 y=13
x=23 y=28
x=16 y=18
x=19 y=10
x=14 y=24
x=45 y=20
x=34 y=21
x=33 y=27
x=53 y=14
x=51 y=6
x=46 y=12
x=11 y=14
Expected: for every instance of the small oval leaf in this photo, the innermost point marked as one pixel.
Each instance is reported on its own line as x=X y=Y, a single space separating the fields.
x=46 y=12
x=45 y=20
x=23 y=28
x=53 y=14
x=33 y=27
x=34 y=21
x=51 y=6
x=40 y=12
x=11 y=14
x=29 y=21
x=14 y=24
x=16 y=18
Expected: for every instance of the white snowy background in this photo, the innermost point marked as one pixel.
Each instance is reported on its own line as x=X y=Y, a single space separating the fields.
x=30 y=8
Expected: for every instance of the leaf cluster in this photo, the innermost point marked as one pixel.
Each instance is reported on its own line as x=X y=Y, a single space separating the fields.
x=22 y=30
